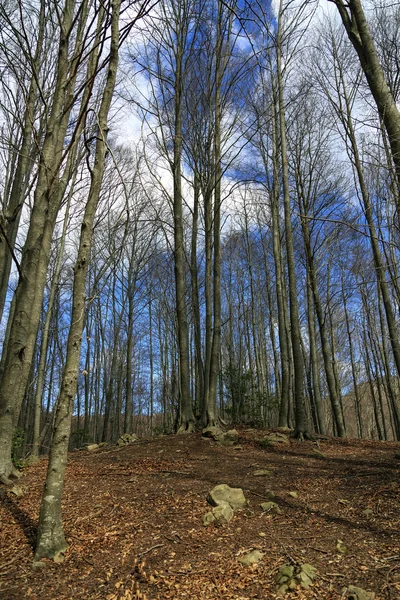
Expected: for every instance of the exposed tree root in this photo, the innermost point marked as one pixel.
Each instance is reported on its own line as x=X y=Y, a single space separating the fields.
x=5 y=480
x=302 y=436
x=14 y=474
x=187 y=427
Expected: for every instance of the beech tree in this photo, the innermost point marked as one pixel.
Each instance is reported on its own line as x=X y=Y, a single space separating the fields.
x=358 y=30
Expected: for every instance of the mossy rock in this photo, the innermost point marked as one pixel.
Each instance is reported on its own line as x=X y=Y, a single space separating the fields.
x=290 y=577
x=251 y=558
x=223 y=493
x=356 y=593
x=271 y=507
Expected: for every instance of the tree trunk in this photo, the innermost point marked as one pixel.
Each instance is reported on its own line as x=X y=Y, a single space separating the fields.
x=358 y=31
x=51 y=541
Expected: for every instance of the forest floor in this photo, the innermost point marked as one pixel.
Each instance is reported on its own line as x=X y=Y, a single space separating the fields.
x=133 y=521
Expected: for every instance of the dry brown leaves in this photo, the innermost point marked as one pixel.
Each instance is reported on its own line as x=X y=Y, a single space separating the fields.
x=133 y=522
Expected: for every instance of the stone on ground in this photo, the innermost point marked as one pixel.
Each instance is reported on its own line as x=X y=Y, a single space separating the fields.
x=208 y=519
x=223 y=493
x=220 y=515
x=276 y=438
x=232 y=435
x=17 y=490
x=356 y=593
x=223 y=513
x=218 y=435
x=251 y=558
x=340 y=547
x=127 y=438
x=262 y=473
x=92 y=447
x=290 y=577
x=270 y=507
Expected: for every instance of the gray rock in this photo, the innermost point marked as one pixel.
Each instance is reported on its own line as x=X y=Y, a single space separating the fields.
x=270 y=507
x=276 y=438
x=92 y=447
x=285 y=573
x=309 y=570
x=262 y=473
x=340 y=547
x=251 y=558
x=222 y=513
x=213 y=432
x=17 y=490
x=127 y=438
x=223 y=493
x=356 y=593
x=208 y=519
x=290 y=577
x=232 y=435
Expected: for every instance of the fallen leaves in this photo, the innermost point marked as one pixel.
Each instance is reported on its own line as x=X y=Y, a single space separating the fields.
x=133 y=519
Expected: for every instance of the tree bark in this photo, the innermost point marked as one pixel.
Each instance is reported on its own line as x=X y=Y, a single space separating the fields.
x=51 y=541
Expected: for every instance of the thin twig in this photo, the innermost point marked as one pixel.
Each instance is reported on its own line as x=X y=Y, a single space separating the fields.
x=8 y=563
x=150 y=549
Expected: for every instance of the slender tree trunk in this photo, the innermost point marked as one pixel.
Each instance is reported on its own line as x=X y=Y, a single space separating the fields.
x=51 y=541
x=185 y=417
x=358 y=31
x=45 y=340
x=35 y=256
x=298 y=364
x=12 y=213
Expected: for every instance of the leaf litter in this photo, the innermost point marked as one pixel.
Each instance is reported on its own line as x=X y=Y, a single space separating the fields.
x=133 y=522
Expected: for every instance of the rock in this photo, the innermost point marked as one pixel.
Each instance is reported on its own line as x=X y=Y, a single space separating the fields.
x=282 y=590
x=217 y=434
x=251 y=558
x=340 y=547
x=368 y=512
x=290 y=577
x=208 y=519
x=223 y=493
x=92 y=447
x=270 y=507
x=293 y=494
x=285 y=573
x=222 y=513
x=270 y=494
x=309 y=570
x=127 y=438
x=213 y=432
x=356 y=593
x=17 y=490
x=262 y=473
x=275 y=438
x=232 y=435
x=37 y=565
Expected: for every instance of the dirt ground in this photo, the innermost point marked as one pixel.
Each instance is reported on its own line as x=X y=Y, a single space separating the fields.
x=133 y=521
